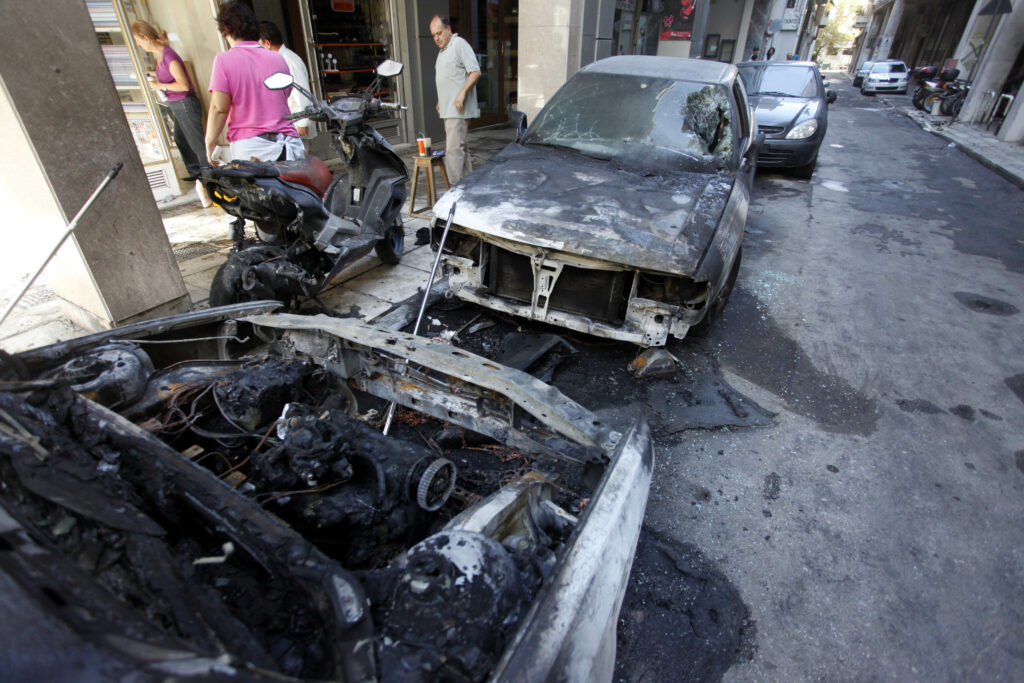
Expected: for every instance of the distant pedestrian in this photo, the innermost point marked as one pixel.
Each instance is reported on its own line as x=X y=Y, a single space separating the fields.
x=456 y=72
x=271 y=38
x=755 y=54
x=770 y=55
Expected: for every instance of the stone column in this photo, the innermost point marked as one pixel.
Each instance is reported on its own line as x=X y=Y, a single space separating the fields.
x=64 y=131
x=550 y=34
x=989 y=75
x=892 y=23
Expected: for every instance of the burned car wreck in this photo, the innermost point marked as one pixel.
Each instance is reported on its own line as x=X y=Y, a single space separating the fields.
x=208 y=496
x=620 y=211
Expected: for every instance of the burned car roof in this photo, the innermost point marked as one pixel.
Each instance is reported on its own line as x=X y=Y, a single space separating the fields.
x=209 y=496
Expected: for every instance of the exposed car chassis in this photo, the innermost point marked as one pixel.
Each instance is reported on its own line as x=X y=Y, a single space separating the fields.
x=143 y=557
x=577 y=304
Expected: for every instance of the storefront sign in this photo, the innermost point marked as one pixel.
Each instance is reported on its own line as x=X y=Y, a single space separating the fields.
x=343 y=6
x=677 y=22
x=791 y=15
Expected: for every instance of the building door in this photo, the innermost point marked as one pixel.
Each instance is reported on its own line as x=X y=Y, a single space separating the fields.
x=636 y=27
x=491 y=27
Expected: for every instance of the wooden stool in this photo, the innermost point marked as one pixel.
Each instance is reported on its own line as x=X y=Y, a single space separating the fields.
x=427 y=164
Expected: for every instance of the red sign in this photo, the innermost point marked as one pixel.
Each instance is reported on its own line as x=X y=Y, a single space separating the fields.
x=343 y=6
x=677 y=22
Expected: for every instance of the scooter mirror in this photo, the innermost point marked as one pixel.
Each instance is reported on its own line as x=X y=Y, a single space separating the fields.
x=278 y=81
x=389 y=68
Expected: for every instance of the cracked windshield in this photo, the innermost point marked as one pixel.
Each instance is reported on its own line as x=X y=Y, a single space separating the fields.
x=658 y=122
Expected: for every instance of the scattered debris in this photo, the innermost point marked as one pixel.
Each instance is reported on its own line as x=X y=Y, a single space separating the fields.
x=653 y=361
x=524 y=351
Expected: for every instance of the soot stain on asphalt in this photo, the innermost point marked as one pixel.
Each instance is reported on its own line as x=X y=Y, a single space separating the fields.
x=772 y=486
x=701 y=398
x=964 y=412
x=681 y=619
x=757 y=350
x=984 y=304
x=1016 y=384
x=885 y=236
x=918 y=405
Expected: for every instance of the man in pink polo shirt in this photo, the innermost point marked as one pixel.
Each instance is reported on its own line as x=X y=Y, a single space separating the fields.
x=256 y=116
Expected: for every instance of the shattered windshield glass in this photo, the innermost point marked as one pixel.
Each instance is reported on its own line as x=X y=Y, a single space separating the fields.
x=659 y=123
x=781 y=81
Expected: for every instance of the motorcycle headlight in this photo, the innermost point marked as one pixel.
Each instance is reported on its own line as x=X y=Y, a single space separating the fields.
x=803 y=130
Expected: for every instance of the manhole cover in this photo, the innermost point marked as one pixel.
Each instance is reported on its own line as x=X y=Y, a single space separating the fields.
x=191 y=250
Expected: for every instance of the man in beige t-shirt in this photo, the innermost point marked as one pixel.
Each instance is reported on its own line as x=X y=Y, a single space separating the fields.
x=456 y=72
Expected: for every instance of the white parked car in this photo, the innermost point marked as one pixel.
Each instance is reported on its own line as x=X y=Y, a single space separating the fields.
x=888 y=76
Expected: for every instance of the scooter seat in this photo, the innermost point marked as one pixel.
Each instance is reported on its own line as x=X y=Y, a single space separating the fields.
x=309 y=171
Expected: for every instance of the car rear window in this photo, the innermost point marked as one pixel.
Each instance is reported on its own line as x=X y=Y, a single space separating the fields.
x=782 y=81
x=639 y=121
x=889 y=68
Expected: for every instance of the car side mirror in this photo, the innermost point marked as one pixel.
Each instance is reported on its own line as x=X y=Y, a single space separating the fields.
x=517 y=119
x=830 y=96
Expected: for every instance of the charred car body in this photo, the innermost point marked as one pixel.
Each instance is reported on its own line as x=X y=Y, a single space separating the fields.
x=620 y=211
x=200 y=497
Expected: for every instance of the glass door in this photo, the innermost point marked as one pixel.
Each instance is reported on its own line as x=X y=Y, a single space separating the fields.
x=491 y=27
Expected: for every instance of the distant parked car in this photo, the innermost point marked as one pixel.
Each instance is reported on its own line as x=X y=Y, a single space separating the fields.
x=791 y=108
x=887 y=76
x=861 y=73
x=620 y=212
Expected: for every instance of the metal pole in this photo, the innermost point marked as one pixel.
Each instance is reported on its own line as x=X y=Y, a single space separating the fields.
x=71 y=227
x=423 y=305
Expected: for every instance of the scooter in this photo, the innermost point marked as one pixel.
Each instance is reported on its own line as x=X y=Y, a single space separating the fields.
x=921 y=76
x=308 y=227
x=931 y=91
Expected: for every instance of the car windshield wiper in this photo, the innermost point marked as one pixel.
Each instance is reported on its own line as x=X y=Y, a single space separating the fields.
x=776 y=93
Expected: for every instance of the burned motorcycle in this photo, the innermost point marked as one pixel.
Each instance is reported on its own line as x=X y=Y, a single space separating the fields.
x=308 y=227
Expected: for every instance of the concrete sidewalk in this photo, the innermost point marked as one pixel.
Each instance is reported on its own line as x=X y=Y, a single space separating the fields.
x=201 y=241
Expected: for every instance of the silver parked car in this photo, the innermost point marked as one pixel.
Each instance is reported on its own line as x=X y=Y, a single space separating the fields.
x=620 y=212
x=861 y=73
x=888 y=76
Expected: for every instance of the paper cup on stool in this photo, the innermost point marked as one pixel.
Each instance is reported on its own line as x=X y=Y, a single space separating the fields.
x=426 y=146
x=421 y=143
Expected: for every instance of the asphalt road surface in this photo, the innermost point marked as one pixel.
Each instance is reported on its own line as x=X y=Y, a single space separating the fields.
x=872 y=528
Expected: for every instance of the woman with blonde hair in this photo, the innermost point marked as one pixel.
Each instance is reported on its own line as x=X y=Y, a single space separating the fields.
x=172 y=78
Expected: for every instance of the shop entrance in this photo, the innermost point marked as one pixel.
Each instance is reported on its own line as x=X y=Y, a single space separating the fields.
x=491 y=27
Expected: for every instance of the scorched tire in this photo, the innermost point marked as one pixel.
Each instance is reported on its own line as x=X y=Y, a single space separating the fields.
x=714 y=311
x=389 y=250
x=225 y=289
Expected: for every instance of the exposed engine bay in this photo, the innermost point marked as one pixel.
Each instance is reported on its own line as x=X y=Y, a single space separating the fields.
x=211 y=495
